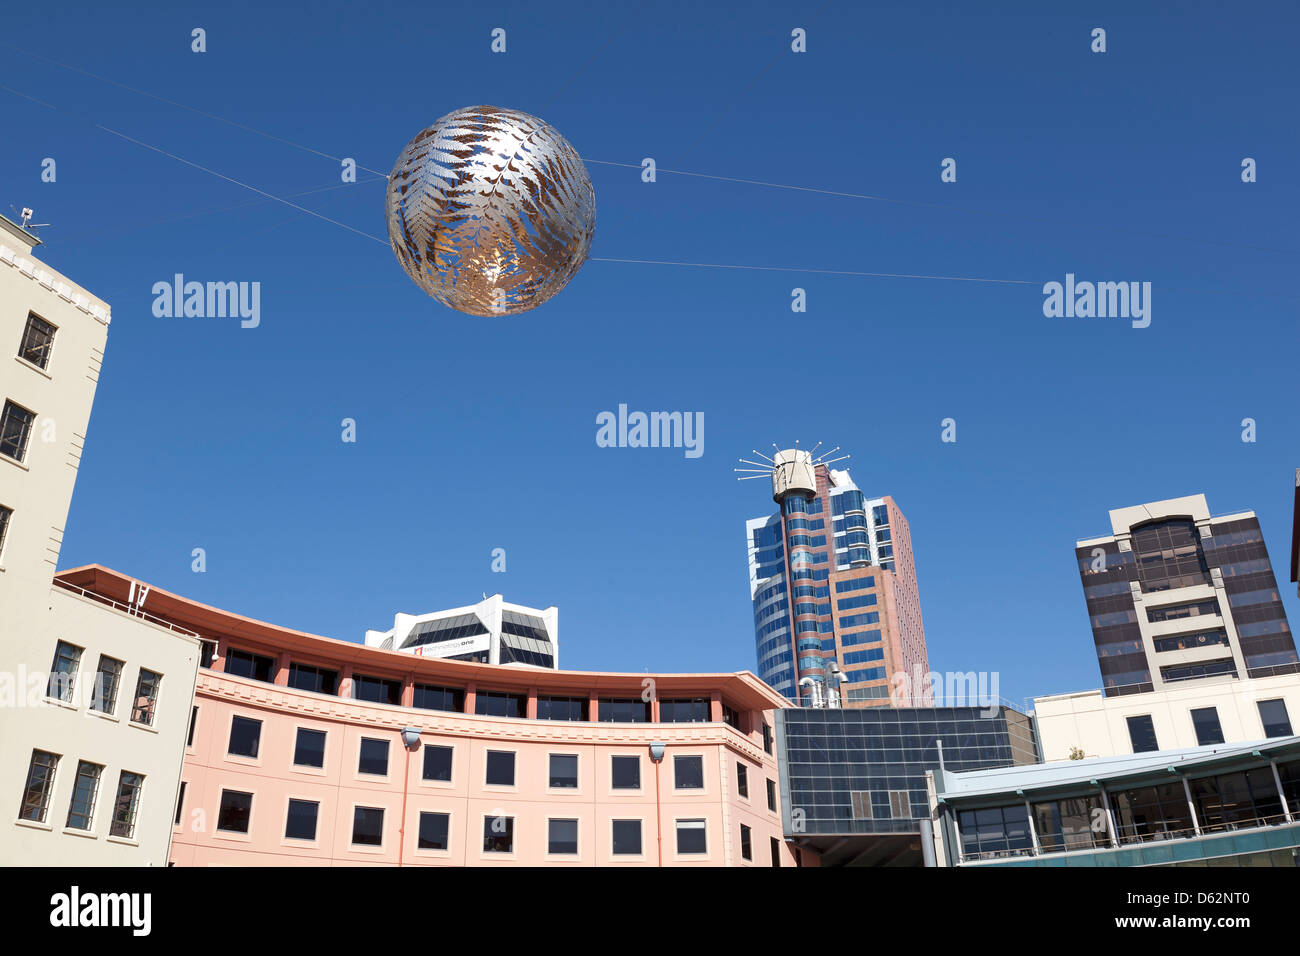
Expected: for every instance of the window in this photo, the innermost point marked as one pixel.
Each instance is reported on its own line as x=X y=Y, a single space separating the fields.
x=367 y=826
x=500 y=768
x=180 y=804
x=625 y=771
x=692 y=837
x=309 y=748
x=767 y=738
x=318 y=680
x=373 y=758
x=194 y=719
x=437 y=762
x=564 y=771
x=1142 y=734
x=1277 y=723
x=746 y=843
x=627 y=838
x=623 y=710
x=15 y=429
x=5 y=514
x=254 y=666
x=146 y=697
x=38 y=341
x=499 y=834
x=562 y=708
x=692 y=711
x=236 y=807
x=434 y=828
x=428 y=697
x=688 y=772
x=731 y=716
x=245 y=735
x=496 y=704
x=300 y=822
x=126 y=805
x=108 y=677
x=742 y=780
x=377 y=690
x=776 y=851
x=562 y=837
x=63 y=672
x=1205 y=720
x=771 y=795
x=81 y=811
x=40 y=784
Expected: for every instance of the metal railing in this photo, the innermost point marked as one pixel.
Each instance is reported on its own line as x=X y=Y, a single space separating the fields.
x=124 y=608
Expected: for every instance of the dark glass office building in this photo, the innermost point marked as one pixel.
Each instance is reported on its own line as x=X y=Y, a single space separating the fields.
x=854 y=780
x=1176 y=595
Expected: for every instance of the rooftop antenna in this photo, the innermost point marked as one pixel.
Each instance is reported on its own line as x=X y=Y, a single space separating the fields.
x=25 y=217
x=761 y=470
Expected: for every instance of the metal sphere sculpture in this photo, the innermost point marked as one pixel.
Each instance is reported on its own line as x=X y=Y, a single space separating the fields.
x=490 y=211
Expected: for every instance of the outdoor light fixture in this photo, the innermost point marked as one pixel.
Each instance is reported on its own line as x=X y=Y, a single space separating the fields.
x=410 y=737
x=657 y=752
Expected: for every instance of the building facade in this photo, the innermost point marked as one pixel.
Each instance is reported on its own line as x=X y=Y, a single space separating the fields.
x=1187 y=714
x=490 y=632
x=1295 y=535
x=1207 y=806
x=307 y=751
x=837 y=612
x=97 y=694
x=855 y=780
x=1175 y=595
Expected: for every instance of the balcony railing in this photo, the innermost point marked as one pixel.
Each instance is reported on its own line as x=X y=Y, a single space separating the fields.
x=124 y=608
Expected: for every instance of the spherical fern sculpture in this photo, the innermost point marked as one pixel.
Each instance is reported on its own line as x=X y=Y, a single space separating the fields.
x=490 y=211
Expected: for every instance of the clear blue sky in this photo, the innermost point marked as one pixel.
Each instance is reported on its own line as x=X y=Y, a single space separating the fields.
x=478 y=433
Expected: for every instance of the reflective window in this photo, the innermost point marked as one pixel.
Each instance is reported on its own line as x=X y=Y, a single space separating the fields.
x=429 y=697
x=742 y=779
x=561 y=708
x=254 y=666
x=146 y=697
x=1272 y=713
x=245 y=736
x=234 y=811
x=434 y=831
x=499 y=704
x=437 y=762
x=692 y=836
x=563 y=771
x=376 y=690
x=15 y=430
x=746 y=843
x=1142 y=734
x=624 y=710
x=368 y=826
x=309 y=749
x=626 y=837
x=319 y=680
x=373 y=757
x=37 y=341
x=625 y=771
x=500 y=768
x=40 y=784
x=108 y=678
x=688 y=772
x=63 y=672
x=300 y=822
x=1205 y=720
x=498 y=834
x=562 y=837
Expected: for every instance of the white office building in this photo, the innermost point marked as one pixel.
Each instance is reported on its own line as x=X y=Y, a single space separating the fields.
x=490 y=632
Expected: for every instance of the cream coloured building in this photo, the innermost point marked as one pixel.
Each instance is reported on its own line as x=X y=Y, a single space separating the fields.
x=94 y=697
x=1191 y=714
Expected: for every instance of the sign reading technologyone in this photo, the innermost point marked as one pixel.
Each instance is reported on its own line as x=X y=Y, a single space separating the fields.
x=447 y=648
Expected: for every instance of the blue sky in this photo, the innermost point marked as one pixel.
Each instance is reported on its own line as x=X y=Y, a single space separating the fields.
x=475 y=434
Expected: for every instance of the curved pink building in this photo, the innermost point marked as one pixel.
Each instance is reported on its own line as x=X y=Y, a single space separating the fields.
x=303 y=750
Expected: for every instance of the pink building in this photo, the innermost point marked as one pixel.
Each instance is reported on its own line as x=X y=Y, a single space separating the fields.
x=303 y=750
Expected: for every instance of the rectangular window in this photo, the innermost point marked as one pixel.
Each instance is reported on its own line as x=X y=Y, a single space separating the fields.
x=1277 y=723
x=63 y=672
x=373 y=757
x=562 y=837
x=625 y=770
x=15 y=429
x=742 y=779
x=318 y=680
x=627 y=838
x=899 y=806
x=429 y=697
x=562 y=708
x=309 y=748
x=40 y=784
x=437 y=762
x=691 y=711
x=622 y=710
x=1142 y=734
x=245 y=736
x=746 y=843
x=146 y=697
x=692 y=837
x=38 y=341
x=499 y=834
x=500 y=768
x=688 y=772
x=564 y=771
x=300 y=822
x=496 y=704
x=776 y=851
x=1205 y=720
x=236 y=807
x=126 y=805
x=377 y=690
x=252 y=666
x=367 y=826
x=180 y=804
x=81 y=811
x=108 y=677
x=194 y=719
x=5 y=515
x=434 y=829
x=771 y=795
x=767 y=738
